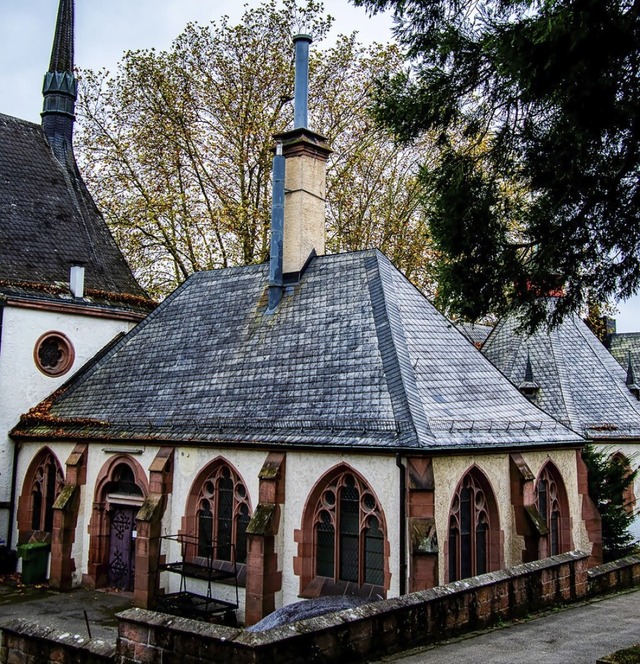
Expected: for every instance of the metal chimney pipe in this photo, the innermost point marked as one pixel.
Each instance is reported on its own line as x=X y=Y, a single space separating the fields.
x=76 y=281
x=302 y=81
x=277 y=231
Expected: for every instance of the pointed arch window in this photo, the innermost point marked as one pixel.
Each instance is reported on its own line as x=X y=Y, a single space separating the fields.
x=47 y=482
x=348 y=533
x=222 y=516
x=473 y=546
x=552 y=505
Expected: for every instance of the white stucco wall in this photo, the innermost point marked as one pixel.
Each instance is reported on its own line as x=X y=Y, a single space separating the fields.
x=303 y=471
x=23 y=385
x=448 y=471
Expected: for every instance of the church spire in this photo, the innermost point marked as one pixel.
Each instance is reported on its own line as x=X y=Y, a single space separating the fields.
x=60 y=86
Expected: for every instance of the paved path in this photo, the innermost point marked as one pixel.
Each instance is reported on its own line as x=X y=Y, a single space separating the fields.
x=65 y=611
x=577 y=635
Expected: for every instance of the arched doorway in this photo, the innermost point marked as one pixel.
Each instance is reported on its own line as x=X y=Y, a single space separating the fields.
x=120 y=491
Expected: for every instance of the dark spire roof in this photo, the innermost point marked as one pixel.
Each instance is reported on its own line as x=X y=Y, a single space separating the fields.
x=62 y=51
x=631 y=381
x=60 y=87
x=528 y=386
x=48 y=221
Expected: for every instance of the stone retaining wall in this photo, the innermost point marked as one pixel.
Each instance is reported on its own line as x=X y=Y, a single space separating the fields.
x=365 y=632
x=24 y=642
x=613 y=576
x=358 y=634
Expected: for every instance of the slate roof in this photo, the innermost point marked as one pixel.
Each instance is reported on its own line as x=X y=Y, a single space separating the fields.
x=580 y=383
x=48 y=221
x=354 y=356
x=475 y=332
x=624 y=345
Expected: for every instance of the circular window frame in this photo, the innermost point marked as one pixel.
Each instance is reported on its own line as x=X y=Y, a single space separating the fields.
x=66 y=360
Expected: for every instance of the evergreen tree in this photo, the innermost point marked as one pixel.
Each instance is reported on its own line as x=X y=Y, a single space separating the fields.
x=536 y=105
x=609 y=480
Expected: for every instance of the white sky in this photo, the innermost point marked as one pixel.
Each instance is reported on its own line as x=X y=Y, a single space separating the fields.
x=104 y=30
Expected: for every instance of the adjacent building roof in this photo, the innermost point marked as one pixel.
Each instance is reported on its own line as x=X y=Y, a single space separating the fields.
x=48 y=222
x=353 y=356
x=573 y=377
x=475 y=332
x=625 y=346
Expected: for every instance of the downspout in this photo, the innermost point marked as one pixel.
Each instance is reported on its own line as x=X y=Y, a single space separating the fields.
x=403 y=529
x=12 y=501
x=277 y=231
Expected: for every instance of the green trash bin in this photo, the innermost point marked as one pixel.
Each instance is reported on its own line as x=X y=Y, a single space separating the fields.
x=35 y=556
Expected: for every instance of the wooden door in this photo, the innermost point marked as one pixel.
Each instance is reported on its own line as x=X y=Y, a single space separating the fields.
x=122 y=547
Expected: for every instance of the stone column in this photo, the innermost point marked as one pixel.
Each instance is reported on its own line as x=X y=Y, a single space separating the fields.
x=264 y=579
x=65 y=520
x=423 y=540
x=149 y=529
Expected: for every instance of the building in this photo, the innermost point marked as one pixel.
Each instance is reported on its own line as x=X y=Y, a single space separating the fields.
x=315 y=423
x=570 y=374
x=65 y=289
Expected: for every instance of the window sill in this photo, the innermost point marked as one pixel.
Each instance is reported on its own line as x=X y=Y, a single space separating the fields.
x=324 y=586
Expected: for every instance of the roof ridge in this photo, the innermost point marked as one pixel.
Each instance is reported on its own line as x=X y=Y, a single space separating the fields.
x=610 y=364
x=399 y=353
x=563 y=378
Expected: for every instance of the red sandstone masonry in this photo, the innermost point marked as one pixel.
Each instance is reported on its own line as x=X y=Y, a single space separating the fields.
x=355 y=635
x=616 y=575
x=369 y=631
x=22 y=642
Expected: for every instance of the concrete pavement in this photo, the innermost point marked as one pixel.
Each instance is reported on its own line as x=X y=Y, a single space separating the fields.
x=576 y=635
x=66 y=611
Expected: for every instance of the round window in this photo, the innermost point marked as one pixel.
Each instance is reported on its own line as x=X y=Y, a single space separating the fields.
x=53 y=354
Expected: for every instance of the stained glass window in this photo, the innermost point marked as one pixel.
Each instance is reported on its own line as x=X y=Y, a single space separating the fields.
x=549 y=505
x=47 y=484
x=223 y=516
x=349 y=540
x=469 y=530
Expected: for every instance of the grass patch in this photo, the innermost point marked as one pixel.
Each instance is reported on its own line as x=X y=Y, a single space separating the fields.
x=626 y=656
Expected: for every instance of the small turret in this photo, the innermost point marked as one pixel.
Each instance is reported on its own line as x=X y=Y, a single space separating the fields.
x=60 y=88
x=631 y=380
x=528 y=386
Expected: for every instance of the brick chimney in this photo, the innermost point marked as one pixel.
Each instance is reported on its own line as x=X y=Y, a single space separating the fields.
x=306 y=156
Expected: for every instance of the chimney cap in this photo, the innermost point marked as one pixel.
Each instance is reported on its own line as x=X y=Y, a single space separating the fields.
x=302 y=36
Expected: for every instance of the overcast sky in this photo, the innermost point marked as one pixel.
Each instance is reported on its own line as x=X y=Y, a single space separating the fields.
x=104 y=30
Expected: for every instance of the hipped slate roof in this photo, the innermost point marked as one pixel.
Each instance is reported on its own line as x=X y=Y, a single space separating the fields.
x=579 y=381
x=354 y=356
x=48 y=221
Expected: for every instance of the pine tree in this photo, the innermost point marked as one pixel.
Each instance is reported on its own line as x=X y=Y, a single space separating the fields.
x=609 y=479
x=536 y=106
